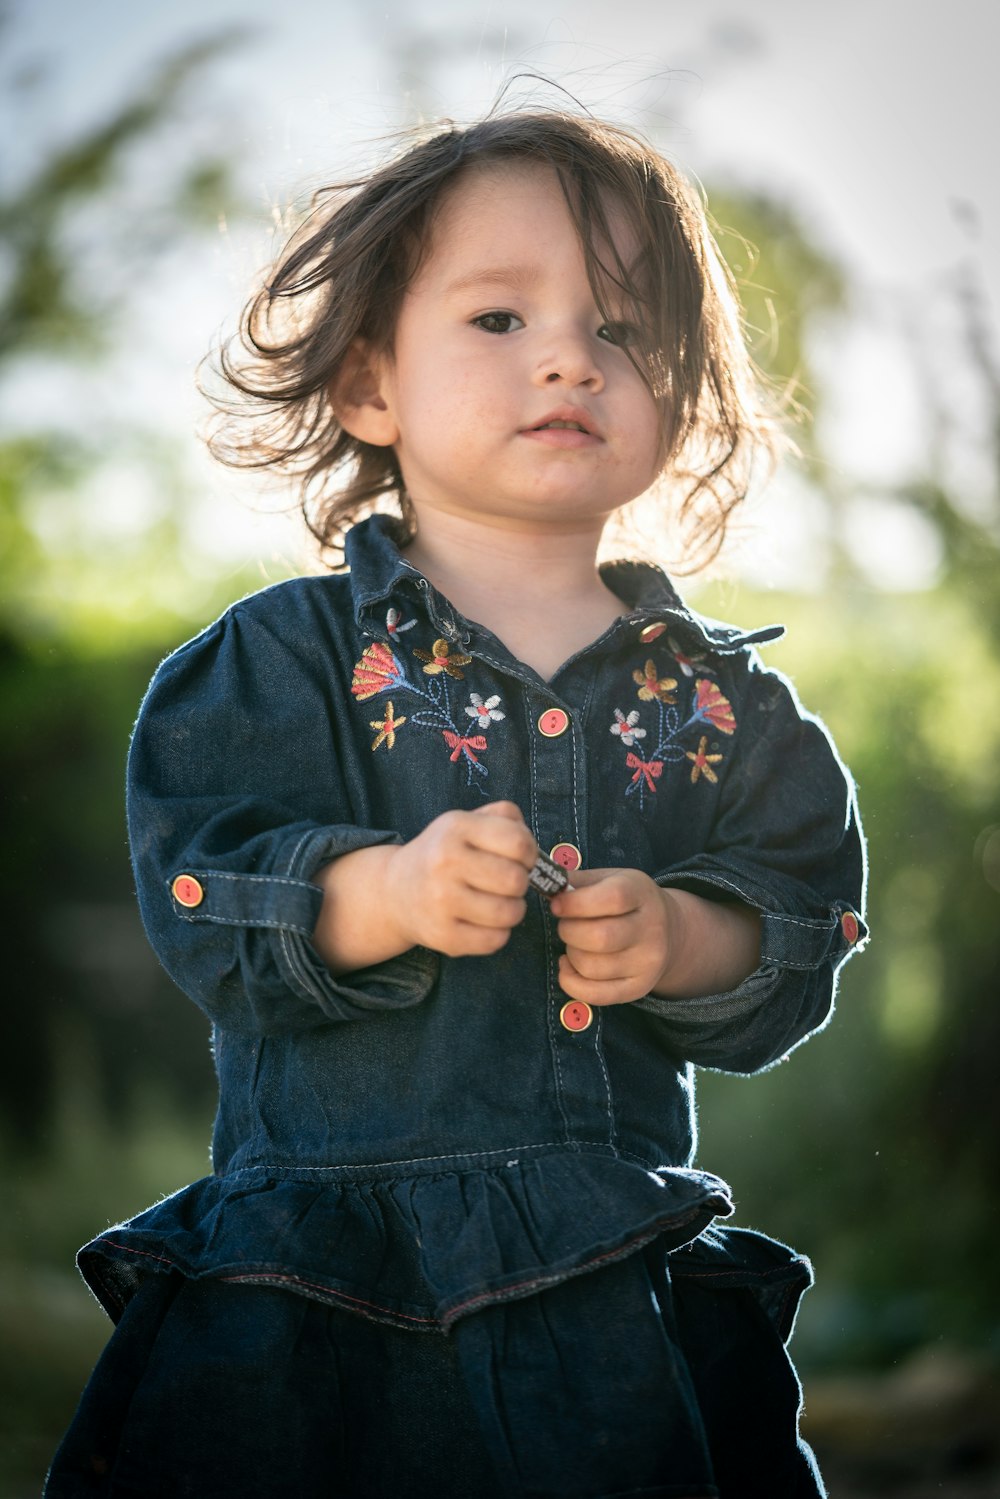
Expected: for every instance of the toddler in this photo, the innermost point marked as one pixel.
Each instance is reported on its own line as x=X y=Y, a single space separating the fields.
x=471 y=850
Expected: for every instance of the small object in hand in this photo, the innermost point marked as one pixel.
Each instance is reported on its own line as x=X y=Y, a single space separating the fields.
x=548 y=877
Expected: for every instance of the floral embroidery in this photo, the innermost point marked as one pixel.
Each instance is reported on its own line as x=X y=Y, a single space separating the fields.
x=651 y=770
x=392 y=623
x=486 y=713
x=377 y=670
x=652 y=688
x=702 y=763
x=665 y=743
x=461 y=744
x=713 y=708
x=687 y=664
x=438 y=660
x=380 y=670
x=626 y=728
x=387 y=727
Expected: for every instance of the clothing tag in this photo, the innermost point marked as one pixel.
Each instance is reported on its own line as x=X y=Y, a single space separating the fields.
x=548 y=877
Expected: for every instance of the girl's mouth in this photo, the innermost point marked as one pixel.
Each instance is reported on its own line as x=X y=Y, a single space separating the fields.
x=562 y=436
x=566 y=428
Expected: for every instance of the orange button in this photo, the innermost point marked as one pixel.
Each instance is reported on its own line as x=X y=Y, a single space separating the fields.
x=566 y=854
x=652 y=632
x=187 y=890
x=553 y=722
x=576 y=1016
x=849 y=927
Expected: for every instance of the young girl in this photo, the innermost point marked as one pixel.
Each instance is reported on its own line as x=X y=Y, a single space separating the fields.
x=454 y=1243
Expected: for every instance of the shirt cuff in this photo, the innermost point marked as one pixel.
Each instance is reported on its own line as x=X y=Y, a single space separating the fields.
x=287 y=907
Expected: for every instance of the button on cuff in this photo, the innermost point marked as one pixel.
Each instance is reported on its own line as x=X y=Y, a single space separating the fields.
x=248 y=900
x=187 y=891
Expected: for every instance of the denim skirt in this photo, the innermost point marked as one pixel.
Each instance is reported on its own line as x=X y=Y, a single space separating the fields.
x=622 y=1381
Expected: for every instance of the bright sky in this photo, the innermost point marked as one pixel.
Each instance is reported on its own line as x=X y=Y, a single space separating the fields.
x=877 y=117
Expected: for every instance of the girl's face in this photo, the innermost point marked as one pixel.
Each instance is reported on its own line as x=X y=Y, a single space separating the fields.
x=507 y=396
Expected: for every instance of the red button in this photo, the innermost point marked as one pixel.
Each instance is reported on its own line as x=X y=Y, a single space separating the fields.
x=651 y=632
x=553 y=722
x=849 y=926
x=576 y=1016
x=187 y=890
x=566 y=854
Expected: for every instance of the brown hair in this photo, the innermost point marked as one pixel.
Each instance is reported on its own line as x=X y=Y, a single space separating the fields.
x=343 y=275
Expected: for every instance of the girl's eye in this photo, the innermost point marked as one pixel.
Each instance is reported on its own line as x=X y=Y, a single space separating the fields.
x=497 y=322
x=622 y=334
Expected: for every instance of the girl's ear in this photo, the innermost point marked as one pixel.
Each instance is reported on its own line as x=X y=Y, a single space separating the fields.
x=357 y=396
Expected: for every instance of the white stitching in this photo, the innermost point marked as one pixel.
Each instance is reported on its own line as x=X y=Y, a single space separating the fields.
x=418 y=1160
x=554 y=1049
x=255 y=879
x=599 y=1049
x=265 y=926
x=816 y=925
x=310 y=833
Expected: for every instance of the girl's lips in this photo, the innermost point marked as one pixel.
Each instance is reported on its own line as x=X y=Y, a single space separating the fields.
x=561 y=437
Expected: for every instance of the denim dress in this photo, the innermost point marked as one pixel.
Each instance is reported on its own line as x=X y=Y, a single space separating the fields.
x=446 y=1147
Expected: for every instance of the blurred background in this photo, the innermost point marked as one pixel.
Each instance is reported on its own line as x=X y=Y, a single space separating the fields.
x=153 y=157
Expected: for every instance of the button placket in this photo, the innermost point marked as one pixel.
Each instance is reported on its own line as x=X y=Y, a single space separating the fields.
x=566 y=855
x=553 y=722
x=576 y=1015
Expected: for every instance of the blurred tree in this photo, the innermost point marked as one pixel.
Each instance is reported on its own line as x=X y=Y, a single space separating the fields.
x=879 y=1147
x=75 y=954
x=788 y=286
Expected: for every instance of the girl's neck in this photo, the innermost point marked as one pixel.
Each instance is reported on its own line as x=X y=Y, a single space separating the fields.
x=538 y=591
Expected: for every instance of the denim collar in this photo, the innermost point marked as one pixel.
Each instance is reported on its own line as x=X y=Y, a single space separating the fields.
x=379 y=571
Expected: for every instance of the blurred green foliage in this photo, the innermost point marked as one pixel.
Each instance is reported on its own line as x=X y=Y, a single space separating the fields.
x=875 y=1149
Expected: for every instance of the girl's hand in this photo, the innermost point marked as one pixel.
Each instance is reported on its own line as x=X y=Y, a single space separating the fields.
x=619 y=928
x=626 y=937
x=459 y=886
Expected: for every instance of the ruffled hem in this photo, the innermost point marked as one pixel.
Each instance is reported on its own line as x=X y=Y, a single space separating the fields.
x=416 y=1251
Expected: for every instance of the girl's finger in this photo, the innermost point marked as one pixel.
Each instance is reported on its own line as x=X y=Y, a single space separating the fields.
x=494 y=875
x=596 y=991
x=600 y=968
x=601 y=935
x=503 y=835
x=480 y=908
x=510 y=810
x=597 y=893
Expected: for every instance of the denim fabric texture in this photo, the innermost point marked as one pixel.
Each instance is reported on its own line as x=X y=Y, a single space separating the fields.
x=636 y=1379
x=423 y=1139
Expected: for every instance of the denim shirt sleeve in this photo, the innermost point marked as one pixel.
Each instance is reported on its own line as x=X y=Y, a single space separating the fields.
x=787 y=841
x=235 y=782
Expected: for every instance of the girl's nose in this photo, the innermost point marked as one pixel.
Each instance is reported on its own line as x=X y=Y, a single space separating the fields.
x=570 y=360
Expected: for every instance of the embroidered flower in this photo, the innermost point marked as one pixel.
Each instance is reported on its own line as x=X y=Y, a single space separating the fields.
x=377 y=670
x=652 y=688
x=387 y=727
x=711 y=707
x=438 y=660
x=484 y=713
x=701 y=764
x=393 y=625
x=687 y=664
x=460 y=744
x=647 y=770
x=625 y=728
